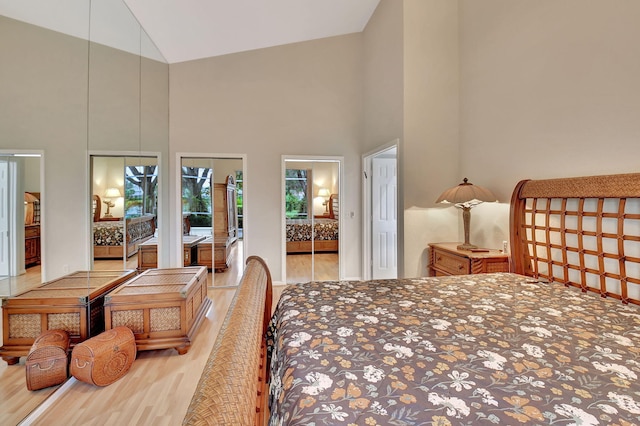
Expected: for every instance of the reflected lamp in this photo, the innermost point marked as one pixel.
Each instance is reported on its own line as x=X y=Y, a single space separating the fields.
x=109 y=195
x=324 y=193
x=465 y=196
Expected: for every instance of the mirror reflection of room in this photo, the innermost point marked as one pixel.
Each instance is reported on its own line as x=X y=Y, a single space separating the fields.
x=124 y=209
x=312 y=220
x=20 y=223
x=212 y=210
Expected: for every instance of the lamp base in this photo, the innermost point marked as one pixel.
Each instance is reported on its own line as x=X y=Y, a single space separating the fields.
x=466 y=246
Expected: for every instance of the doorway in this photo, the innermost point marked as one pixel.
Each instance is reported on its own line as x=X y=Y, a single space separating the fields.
x=380 y=197
x=311 y=218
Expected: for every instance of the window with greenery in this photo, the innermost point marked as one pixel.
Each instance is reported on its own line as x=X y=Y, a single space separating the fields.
x=297 y=190
x=196 y=195
x=239 y=200
x=141 y=190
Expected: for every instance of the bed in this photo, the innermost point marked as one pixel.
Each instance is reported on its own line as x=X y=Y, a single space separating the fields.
x=109 y=239
x=300 y=233
x=554 y=341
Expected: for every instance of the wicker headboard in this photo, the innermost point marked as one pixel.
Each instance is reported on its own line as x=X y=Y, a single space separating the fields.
x=334 y=206
x=583 y=232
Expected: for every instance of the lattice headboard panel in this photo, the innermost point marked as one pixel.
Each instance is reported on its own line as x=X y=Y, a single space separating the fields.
x=583 y=232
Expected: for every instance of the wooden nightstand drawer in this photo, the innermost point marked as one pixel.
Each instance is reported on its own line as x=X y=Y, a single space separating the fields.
x=31 y=231
x=450 y=263
x=447 y=259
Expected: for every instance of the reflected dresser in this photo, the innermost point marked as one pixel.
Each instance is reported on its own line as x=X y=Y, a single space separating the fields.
x=73 y=303
x=148 y=251
x=163 y=307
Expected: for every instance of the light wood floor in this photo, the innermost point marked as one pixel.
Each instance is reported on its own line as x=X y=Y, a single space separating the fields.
x=299 y=267
x=156 y=391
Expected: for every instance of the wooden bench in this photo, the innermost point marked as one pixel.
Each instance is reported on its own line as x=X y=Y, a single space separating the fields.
x=228 y=392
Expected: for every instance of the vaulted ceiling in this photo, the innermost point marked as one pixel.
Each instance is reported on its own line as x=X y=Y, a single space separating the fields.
x=185 y=30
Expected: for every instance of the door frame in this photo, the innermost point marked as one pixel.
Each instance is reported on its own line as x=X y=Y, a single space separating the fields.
x=283 y=224
x=176 y=249
x=367 y=240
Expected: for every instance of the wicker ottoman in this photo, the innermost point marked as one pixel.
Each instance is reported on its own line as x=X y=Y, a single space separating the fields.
x=48 y=360
x=105 y=358
x=163 y=307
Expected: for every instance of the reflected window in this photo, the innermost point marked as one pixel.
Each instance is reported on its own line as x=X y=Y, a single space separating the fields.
x=297 y=190
x=196 y=195
x=141 y=189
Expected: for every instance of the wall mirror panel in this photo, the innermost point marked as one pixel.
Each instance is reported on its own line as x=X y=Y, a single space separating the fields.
x=312 y=219
x=212 y=214
x=124 y=207
x=92 y=81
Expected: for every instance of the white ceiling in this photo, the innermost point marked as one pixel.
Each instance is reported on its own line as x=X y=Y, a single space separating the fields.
x=184 y=30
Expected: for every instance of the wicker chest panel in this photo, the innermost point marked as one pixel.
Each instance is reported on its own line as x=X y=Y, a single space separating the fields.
x=73 y=303
x=47 y=361
x=163 y=307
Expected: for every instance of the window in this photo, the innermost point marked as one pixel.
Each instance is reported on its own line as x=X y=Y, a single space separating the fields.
x=297 y=190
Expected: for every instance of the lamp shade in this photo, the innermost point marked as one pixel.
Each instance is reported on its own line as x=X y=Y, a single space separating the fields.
x=324 y=193
x=466 y=194
x=112 y=193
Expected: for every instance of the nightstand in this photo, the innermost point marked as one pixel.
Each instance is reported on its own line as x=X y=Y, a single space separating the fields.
x=446 y=259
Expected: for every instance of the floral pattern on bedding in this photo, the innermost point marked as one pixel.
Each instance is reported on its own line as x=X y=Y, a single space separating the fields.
x=108 y=233
x=303 y=229
x=462 y=350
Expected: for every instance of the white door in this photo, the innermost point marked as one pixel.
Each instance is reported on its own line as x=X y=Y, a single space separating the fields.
x=4 y=217
x=384 y=227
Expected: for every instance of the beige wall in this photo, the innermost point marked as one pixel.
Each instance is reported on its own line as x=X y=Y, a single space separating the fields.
x=548 y=89
x=298 y=99
x=45 y=106
x=431 y=127
x=43 y=101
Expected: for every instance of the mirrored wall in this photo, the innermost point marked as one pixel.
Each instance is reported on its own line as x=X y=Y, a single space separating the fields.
x=212 y=216
x=312 y=219
x=78 y=79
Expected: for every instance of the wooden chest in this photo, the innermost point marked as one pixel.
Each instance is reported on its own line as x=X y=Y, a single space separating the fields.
x=48 y=360
x=73 y=303
x=163 y=307
x=148 y=251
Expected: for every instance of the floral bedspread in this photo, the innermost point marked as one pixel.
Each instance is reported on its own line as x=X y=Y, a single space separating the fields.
x=110 y=233
x=303 y=229
x=465 y=350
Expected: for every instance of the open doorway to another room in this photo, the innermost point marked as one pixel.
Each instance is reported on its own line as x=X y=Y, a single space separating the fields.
x=312 y=219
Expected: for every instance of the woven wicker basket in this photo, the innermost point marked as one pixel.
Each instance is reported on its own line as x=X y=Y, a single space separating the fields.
x=48 y=360
x=105 y=358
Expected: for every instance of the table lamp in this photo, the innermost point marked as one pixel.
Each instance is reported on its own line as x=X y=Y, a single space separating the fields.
x=466 y=196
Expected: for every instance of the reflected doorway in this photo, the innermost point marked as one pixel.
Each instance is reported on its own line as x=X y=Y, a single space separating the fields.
x=311 y=219
x=21 y=222
x=212 y=207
